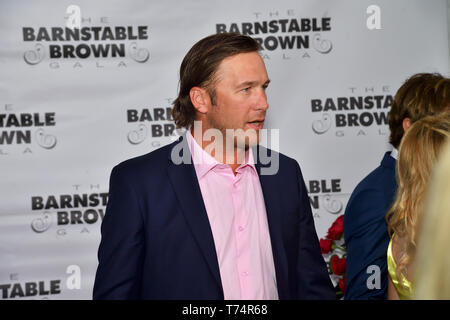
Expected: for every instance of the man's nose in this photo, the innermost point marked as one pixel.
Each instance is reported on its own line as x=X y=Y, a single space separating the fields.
x=262 y=103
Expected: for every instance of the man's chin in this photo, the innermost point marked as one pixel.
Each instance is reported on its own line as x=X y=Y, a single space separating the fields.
x=243 y=138
x=247 y=142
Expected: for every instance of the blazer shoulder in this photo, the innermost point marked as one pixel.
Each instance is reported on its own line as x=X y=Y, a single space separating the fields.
x=371 y=199
x=148 y=163
x=284 y=160
x=381 y=179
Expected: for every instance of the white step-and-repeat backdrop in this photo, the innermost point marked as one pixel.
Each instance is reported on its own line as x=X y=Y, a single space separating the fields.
x=72 y=105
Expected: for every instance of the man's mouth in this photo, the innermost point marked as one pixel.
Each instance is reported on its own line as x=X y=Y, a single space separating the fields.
x=257 y=125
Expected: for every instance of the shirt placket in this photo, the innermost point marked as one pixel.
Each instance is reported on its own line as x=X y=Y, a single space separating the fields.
x=242 y=240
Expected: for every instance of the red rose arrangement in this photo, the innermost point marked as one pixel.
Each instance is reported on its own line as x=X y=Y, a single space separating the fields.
x=334 y=252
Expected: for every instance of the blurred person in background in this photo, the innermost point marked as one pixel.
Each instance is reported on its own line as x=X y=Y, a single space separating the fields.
x=433 y=261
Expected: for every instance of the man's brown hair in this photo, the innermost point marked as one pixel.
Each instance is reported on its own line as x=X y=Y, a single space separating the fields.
x=421 y=95
x=199 y=67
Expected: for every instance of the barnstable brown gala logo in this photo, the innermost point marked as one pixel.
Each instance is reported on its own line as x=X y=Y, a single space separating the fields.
x=92 y=42
x=24 y=129
x=285 y=33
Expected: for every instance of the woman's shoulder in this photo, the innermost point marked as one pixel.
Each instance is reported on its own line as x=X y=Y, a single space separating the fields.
x=403 y=285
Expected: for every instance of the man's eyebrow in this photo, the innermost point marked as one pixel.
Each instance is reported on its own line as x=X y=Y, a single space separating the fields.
x=251 y=83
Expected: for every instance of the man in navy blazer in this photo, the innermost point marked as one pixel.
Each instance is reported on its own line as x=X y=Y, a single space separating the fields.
x=365 y=228
x=365 y=232
x=157 y=241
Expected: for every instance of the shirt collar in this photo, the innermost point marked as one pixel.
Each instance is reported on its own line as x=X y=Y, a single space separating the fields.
x=394 y=153
x=204 y=162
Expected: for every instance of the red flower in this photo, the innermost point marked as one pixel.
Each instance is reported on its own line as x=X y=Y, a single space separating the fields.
x=337 y=229
x=325 y=245
x=338 y=265
x=342 y=285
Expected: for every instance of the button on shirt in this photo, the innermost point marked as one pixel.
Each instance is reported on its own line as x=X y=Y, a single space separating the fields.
x=238 y=220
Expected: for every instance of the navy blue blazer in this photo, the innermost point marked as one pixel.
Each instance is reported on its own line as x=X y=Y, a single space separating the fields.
x=157 y=242
x=365 y=231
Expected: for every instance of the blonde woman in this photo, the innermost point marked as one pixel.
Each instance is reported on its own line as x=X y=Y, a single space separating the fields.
x=433 y=260
x=418 y=151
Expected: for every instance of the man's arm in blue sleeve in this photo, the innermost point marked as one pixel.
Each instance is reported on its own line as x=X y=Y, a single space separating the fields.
x=122 y=245
x=366 y=238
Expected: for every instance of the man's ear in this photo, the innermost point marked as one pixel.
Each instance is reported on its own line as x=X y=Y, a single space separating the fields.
x=200 y=99
x=406 y=124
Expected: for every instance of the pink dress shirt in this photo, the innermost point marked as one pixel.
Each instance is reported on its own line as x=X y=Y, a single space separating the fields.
x=238 y=220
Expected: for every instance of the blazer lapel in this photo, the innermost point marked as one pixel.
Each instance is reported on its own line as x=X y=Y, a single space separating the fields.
x=185 y=183
x=274 y=214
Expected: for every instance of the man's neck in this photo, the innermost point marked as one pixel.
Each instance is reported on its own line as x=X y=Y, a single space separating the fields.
x=230 y=155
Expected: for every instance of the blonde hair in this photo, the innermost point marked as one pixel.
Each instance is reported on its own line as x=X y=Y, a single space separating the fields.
x=433 y=261
x=418 y=151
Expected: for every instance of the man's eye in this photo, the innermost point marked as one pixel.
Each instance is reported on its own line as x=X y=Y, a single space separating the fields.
x=265 y=87
x=246 y=89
